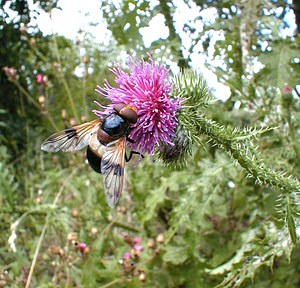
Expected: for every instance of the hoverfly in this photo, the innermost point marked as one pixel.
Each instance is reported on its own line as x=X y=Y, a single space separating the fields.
x=106 y=141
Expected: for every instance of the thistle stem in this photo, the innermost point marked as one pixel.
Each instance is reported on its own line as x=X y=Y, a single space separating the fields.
x=35 y=104
x=250 y=163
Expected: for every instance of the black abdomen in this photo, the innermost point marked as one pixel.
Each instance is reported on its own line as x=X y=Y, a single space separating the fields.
x=94 y=160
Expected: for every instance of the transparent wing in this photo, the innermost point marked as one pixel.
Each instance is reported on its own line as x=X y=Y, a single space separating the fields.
x=71 y=139
x=112 y=168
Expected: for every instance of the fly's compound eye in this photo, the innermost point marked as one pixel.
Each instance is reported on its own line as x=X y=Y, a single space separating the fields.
x=119 y=107
x=127 y=111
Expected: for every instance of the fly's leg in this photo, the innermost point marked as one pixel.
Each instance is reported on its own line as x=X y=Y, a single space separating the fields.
x=128 y=158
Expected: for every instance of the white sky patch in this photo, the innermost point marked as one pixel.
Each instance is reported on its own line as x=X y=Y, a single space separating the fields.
x=155 y=31
x=289 y=31
x=186 y=14
x=73 y=16
x=11 y=14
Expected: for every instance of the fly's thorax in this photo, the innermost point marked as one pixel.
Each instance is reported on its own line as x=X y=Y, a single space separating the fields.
x=113 y=127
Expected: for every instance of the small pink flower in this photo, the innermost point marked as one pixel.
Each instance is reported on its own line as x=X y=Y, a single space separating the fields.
x=42 y=79
x=147 y=87
x=82 y=247
x=39 y=78
x=126 y=256
x=137 y=240
x=287 y=90
x=138 y=247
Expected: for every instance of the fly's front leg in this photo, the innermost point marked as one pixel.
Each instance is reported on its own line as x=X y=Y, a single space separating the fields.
x=128 y=158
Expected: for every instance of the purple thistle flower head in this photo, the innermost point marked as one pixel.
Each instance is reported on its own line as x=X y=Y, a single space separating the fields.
x=146 y=87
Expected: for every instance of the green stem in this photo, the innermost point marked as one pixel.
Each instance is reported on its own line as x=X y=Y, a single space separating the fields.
x=64 y=82
x=110 y=283
x=29 y=98
x=35 y=104
x=286 y=103
x=46 y=113
x=36 y=253
x=250 y=163
x=39 y=54
x=86 y=74
x=70 y=97
x=125 y=226
x=38 y=247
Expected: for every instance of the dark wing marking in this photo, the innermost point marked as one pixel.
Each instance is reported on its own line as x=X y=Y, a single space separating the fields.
x=112 y=168
x=71 y=139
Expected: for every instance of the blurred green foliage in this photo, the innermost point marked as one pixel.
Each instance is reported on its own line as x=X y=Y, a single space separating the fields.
x=212 y=222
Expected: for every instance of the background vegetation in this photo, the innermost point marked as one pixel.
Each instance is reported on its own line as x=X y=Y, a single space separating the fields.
x=229 y=217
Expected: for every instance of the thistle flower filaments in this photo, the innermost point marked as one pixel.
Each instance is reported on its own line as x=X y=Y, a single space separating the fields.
x=146 y=87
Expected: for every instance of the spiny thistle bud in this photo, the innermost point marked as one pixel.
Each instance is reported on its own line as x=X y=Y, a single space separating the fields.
x=160 y=238
x=72 y=237
x=121 y=262
x=22 y=28
x=10 y=72
x=122 y=209
x=41 y=99
x=32 y=42
x=94 y=231
x=64 y=114
x=56 y=66
x=73 y=122
x=85 y=59
x=56 y=250
x=176 y=154
x=38 y=200
x=142 y=276
x=75 y=245
x=75 y=213
x=151 y=243
x=134 y=254
x=127 y=238
x=55 y=159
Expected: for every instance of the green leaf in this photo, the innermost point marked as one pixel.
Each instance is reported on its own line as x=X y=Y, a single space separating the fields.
x=279 y=69
x=175 y=254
